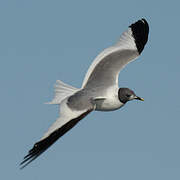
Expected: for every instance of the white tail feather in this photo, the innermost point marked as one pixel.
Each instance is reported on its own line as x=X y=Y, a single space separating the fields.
x=62 y=91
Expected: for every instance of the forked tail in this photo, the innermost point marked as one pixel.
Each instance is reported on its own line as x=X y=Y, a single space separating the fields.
x=61 y=91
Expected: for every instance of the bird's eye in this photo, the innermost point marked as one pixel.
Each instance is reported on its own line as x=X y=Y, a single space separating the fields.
x=128 y=95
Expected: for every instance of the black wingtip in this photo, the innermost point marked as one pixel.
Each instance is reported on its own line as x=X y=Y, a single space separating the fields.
x=36 y=151
x=140 y=31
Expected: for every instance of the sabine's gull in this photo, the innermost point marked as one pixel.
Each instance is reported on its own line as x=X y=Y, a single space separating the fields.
x=99 y=91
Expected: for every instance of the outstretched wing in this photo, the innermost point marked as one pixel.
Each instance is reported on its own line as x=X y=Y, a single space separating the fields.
x=64 y=123
x=105 y=69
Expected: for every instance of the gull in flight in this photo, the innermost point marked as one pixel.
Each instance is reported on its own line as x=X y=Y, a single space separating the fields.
x=99 y=91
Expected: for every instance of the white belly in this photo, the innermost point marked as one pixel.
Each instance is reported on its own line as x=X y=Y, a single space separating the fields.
x=108 y=104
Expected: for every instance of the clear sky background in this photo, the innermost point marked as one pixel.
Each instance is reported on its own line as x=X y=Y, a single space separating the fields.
x=42 y=41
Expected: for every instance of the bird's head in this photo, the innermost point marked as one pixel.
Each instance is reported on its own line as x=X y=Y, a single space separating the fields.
x=126 y=94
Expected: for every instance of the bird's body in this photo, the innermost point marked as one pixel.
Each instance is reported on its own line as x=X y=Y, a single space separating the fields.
x=105 y=101
x=99 y=91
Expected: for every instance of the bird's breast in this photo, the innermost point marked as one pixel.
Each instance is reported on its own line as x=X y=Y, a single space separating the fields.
x=108 y=104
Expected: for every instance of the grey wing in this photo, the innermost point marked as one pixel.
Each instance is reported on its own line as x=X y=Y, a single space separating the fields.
x=68 y=119
x=104 y=70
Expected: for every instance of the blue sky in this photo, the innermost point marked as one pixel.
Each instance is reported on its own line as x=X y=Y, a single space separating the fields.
x=42 y=41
